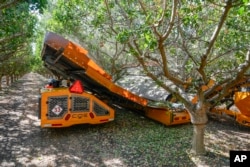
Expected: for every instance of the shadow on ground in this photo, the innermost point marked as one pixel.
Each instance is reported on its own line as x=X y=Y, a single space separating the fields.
x=130 y=140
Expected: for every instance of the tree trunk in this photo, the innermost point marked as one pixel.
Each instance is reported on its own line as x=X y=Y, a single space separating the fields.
x=199 y=120
x=7 y=80
x=1 y=83
x=12 y=79
x=198 y=147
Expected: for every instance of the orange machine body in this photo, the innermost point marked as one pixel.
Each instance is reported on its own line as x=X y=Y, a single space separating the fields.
x=242 y=102
x=64 y=57
x=61 y=108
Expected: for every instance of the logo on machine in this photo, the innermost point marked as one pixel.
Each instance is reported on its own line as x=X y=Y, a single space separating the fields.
x=79 y=116
x=57 y=110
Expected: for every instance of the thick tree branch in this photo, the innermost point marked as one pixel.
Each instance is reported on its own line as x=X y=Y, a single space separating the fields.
x=159 y=22
x=143 y=7
x=8 y=38
x=223 y=54
x=110 y=17
x=213 y=39
x=185 y=101
x=9 y=4
x=232 y=82
x=171 y=23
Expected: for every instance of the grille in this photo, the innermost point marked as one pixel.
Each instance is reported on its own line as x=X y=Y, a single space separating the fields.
x=57 y=106
x=80 y=104
x=99 y=110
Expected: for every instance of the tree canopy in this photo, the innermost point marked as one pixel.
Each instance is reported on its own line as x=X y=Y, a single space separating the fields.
x=189 y=42
x=18 y=19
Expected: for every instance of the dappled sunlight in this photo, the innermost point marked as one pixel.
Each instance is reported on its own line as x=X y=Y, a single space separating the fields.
x=15 y=91
x=4 y=101
x=129 y=139
x=14 y=115
x=24 y=122
x=113 y=162
x=32 y=117
x=219 y=140
x=89 y=163
x=16 y=121
x=44 y=160
x=198 y=161
x=24 y=143
x=5 y=163
x=223 y=141
x=116 y=144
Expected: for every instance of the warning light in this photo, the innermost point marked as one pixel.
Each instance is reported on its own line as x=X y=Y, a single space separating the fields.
x=91 y=115
x=76 y=87
x=67 y=117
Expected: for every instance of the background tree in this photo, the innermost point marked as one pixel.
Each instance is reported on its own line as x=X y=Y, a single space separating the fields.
x=18 y=19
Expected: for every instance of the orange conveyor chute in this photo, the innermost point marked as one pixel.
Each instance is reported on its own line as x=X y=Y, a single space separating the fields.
x=242 y=101
x=79 y=56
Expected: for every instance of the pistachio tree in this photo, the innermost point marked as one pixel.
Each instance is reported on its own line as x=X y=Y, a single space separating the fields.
x=190 y=43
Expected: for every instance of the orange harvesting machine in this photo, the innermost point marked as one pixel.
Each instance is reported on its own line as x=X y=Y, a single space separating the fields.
x=89 y=99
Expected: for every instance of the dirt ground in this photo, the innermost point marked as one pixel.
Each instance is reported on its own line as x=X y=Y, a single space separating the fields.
x=130 y=140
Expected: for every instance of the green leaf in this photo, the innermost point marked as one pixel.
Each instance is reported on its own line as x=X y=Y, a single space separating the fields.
x=241 y=11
